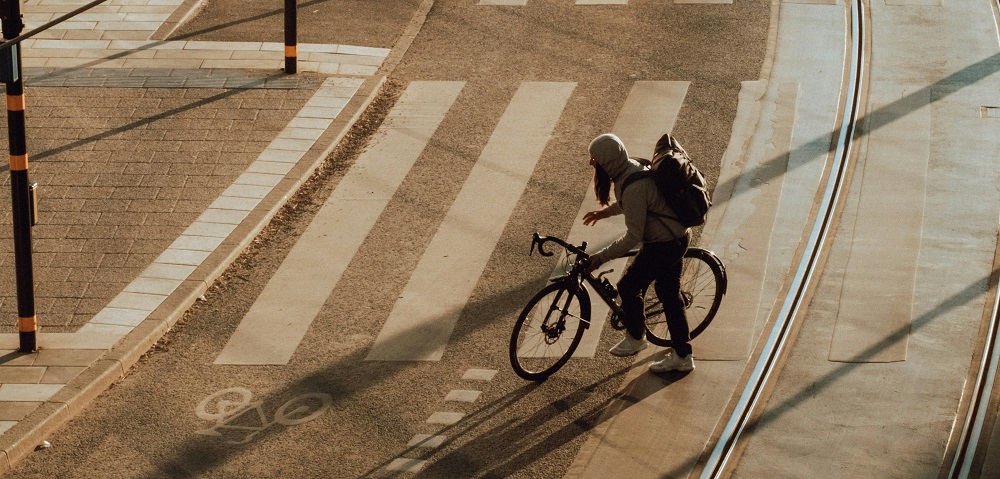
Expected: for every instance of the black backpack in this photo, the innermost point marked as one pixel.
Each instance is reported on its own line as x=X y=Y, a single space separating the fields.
x=679 y=181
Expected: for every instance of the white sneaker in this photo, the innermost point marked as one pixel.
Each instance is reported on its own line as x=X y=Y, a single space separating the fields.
x=629 y=346
x=673 y=362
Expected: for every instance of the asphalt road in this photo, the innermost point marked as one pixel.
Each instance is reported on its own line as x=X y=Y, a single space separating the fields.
x=146 y=425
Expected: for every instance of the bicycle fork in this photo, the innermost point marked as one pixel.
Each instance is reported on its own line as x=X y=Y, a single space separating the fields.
x=570 y=292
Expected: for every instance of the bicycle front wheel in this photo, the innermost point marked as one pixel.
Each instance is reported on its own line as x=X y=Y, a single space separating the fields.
x=703 y=283
x=548 y=331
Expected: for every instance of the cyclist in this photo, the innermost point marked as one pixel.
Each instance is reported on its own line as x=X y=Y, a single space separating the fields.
x=648 y=221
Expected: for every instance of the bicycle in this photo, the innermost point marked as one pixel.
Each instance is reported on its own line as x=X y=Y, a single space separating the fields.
x=551 y=325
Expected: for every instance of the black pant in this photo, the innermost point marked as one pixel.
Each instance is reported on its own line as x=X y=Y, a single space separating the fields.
x=660 y=262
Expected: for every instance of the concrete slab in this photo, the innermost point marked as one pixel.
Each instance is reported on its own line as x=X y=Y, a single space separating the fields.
x=749 y=226
x=17 y=410
x=21 y=374
x=887 y=230
x=28 y=392
x=67 y=357
x=60 y=374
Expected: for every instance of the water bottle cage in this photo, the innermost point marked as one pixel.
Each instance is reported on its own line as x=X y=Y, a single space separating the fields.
x=609 y=289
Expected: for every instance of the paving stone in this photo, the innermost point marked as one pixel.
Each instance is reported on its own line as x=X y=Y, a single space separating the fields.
x=17 y=410
x=28 y=392
x=20 y=374
x=66 y=357
x=60 y=374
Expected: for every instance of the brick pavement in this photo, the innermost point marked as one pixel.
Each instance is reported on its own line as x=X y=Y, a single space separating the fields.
x=157 y=162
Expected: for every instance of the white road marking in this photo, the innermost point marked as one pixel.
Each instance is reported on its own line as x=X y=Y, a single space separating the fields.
x=278 y=320
x=422 y=320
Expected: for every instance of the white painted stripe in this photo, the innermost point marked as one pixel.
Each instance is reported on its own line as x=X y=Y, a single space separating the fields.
x=445 y=418
x=427 y=440
x=422 y=320
x=650 y=110
x=278 y=320
x=402 y=464
x=479 y=375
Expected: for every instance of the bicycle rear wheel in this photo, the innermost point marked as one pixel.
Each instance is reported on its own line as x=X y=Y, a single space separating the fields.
x=703 y=283
x=548 y=331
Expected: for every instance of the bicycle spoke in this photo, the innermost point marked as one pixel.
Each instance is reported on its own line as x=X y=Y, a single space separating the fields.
x=701 y=294
x=547 y=332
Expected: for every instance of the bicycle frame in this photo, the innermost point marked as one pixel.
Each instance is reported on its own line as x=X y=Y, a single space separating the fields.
x=576 y=276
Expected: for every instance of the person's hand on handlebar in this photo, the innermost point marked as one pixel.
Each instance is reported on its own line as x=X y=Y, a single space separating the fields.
x=590 y=264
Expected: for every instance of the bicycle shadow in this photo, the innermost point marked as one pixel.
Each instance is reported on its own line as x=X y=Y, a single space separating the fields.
x=513 y=447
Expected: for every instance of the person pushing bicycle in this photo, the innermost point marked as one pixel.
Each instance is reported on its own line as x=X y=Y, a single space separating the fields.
x=649 y=220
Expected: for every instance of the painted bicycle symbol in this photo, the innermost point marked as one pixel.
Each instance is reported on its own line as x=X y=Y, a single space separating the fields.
x=232 y=409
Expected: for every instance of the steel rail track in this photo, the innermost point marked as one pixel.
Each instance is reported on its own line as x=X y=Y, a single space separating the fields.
x=776 y=341
x=972 y=428
x=975 y=419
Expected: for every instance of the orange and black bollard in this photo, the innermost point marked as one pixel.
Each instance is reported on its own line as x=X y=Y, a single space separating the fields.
x=21 y=197
x=291 y=46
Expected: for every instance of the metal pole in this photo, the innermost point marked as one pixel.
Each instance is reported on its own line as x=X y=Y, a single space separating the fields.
x=27 y=324
x=291 y=47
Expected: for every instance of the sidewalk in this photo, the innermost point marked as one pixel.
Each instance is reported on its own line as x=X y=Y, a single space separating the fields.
x=157 y=163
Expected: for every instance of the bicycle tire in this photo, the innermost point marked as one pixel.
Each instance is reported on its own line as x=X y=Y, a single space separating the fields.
x=219 y=406
x=303 y=413
x=703 y=283
x=536 y=349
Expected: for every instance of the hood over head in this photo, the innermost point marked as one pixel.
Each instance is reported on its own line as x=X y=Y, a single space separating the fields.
x=609 y=152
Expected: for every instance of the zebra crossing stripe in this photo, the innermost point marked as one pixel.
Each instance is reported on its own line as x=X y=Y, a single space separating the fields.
x=278 y=320
x=650 y=110
x=511 y=3
x=422 y=320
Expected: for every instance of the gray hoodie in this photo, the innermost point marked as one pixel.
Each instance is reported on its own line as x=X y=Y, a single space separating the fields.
x=641 y=197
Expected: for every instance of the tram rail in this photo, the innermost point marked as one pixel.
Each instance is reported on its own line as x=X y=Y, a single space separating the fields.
x=719 y=461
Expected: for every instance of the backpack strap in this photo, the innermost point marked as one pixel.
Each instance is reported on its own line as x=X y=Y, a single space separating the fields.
x=636 y=177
